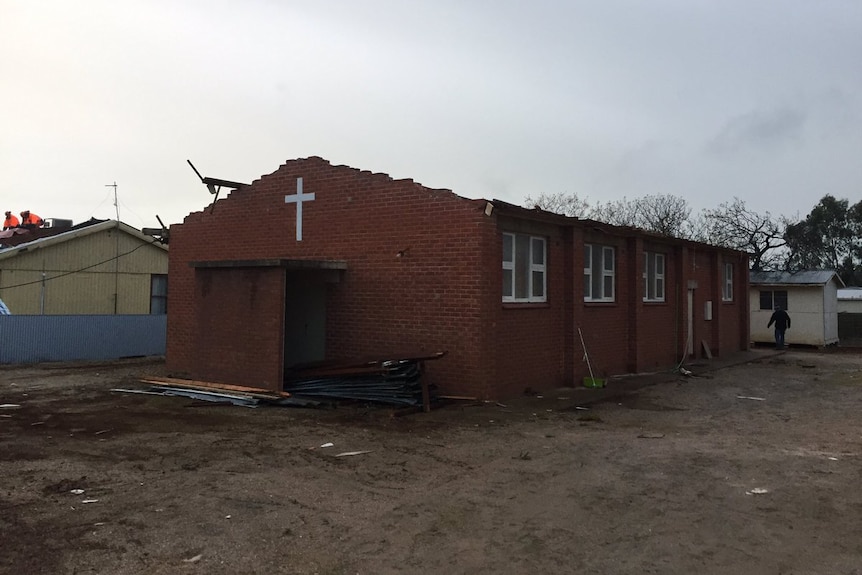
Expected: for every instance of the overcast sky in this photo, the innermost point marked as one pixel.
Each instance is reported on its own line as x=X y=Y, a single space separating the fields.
x=706 y=100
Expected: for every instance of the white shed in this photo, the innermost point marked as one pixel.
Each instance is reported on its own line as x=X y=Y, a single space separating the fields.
x=850 y=316
x=810 y=298
x=850 y=300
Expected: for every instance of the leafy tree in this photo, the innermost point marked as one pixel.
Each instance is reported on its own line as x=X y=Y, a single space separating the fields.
x=734 y=225
x=828 y=238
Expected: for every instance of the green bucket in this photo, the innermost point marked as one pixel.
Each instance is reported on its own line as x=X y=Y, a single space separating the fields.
x=594 y=382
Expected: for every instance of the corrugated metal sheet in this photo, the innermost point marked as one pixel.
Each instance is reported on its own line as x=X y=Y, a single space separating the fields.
x=77 y=273
x=807 y=277
x=851 y=293
x=38 y=338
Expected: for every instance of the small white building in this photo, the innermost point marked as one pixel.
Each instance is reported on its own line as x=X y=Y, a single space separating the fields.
x=810 y=299
x=850 y=300
x=850 y=316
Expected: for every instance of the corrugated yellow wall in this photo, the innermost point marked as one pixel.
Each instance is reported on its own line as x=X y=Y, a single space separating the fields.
x=85 y=291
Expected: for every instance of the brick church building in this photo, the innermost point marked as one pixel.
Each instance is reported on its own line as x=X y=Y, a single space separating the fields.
x=331 y=262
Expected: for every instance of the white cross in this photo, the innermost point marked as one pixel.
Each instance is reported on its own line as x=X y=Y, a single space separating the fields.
x=297 y=199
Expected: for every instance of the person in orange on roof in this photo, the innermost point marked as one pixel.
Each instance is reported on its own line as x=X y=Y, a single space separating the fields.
x=11 y=221
x=31 y=221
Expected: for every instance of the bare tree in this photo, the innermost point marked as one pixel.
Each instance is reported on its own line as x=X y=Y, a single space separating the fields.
x=733 y=225
x=559 y=203
x=662 y=213
x=617 y=212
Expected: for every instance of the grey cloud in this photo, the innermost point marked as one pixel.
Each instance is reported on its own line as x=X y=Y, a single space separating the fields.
x=758 y=130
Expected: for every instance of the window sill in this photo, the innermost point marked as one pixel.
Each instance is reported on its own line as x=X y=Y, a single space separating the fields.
x=597 y=303
x=525 y=305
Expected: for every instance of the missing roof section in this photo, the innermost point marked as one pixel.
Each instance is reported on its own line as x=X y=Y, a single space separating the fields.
x=274 y=263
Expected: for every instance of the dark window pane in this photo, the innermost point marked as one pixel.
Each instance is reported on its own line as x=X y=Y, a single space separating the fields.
x=508 y=248
x=538 y=284
x=522 y=266
x=538 y=251
x=507 y=283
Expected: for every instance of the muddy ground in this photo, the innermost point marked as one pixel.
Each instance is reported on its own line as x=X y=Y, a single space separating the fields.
x=689 y=475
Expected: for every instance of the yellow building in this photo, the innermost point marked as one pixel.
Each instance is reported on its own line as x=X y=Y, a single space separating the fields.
x=105 y=267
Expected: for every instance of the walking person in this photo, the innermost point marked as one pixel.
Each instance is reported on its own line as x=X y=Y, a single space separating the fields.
x=782 y=324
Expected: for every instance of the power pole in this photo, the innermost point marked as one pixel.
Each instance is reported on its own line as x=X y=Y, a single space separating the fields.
x=116 y=249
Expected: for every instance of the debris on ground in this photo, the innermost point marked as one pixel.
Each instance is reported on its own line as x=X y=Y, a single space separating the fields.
x=218 y=393
x=396 y=381
x=757 y=491
x=352 y=453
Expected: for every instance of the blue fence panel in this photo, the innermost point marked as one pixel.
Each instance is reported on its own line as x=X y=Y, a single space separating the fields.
x=38 y=338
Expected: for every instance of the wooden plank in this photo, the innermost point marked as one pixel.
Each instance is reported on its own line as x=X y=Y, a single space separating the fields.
x=706 y=349
x=215 y=385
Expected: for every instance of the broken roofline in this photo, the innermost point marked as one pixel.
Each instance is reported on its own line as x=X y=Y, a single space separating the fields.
x=250 y=188
x=503 y=207
x=290 y=264
x=540 y=215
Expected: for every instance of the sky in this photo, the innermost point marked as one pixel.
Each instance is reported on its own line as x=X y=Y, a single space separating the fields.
x=705 y=100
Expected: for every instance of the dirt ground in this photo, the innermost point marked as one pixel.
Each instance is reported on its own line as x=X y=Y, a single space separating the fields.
x=687 y=475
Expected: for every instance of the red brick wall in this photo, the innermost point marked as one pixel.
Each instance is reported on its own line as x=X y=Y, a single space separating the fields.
x=533 y=341
x=734 y=331
x=246 y=301
x=605 y=326
x=424 y=275
x=660 y=325
x=706 y=273
x=416 y=278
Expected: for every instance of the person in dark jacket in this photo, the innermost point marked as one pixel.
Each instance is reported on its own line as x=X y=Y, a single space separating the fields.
x=782 y=324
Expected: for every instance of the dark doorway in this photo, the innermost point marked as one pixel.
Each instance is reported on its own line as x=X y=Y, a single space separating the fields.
x=304 y=318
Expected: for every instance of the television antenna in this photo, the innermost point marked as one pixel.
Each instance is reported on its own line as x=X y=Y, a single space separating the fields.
x=116 y=203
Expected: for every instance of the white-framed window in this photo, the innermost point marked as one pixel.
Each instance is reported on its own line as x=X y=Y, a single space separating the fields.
x=727 y=284
x=773 y=299
x=524 y=268
x=653 y=276
x=158 y=294
x=599 y=273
